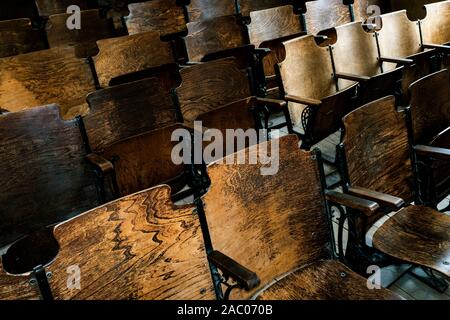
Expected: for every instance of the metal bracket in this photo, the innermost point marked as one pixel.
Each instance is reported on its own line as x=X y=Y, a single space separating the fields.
x=41 y=279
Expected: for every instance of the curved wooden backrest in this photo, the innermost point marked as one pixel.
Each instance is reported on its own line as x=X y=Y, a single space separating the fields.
x=247 y=6
x=47 y=8
x=436 y=25
x=119 y=112
x=270 y=224
x=430 y=106
x=361 y=8
x=46 y=176
x=144 y=161
x=325 y=14
x=16 y=9
x=273 y=23
x=45 y=77
x=209 y=36
x=128 y=54
x=140 y=247
x=93 y=28
x=376 y=147
x=199 y=10
x=19 y=36
x=162 y=16
x=210 y=85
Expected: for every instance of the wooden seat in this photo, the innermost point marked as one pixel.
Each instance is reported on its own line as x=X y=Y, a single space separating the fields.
x=19 y=36
x=379 y=169
x=45 y=77
x=130 y=54
x=199 y=10
x=324 y=14
x=16 y=9
x=47 y=8
x=291 y=234
x=94 y=27
x=162 y=16
x=117 y=258
x=315 y=102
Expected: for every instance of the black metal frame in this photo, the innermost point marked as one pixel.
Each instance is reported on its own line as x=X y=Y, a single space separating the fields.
x=41 y=277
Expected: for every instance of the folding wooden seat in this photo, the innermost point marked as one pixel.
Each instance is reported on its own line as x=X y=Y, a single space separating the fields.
x=325 y=14
x=16 y=9
x=140 y=247
x=285 y=248
x=47 y=179
x=429 y=127
x=130 y=54
x=379 y=169
x=199 y=10
x=19 y=36
x=46 y=77
x=47 y=8
x=316 y=102
x=163 y=16
x=93 y=27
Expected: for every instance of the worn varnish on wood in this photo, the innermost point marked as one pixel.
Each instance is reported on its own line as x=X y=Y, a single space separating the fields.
x=325 y=14
x=130 y=54
x=436 y=25
x=162 y=16
x=199 y=10
x=247 y=6
x=19 y=36
x=47 y=8
x=45 y=77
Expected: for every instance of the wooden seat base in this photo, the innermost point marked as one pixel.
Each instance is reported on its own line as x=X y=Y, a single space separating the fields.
x=418 y=235
x=325 y=280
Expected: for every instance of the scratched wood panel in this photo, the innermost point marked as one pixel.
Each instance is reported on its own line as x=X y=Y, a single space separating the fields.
x=46 y=77
x=213 y=35
x=199 y=10
x=436 y=25
x=325 y=14
x=47 y=179
x=129 y=54
x=247 y=6
x=140 y=247
x=277 y=226
x=93 y=28
x=19 y=36
x=156 y=15
x=119 y=112
x=47 y=8
x=210 y=85
x=376 y=147
x=16 y=287
x=325 y=280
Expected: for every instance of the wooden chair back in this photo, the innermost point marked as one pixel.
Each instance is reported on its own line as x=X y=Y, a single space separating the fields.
x=246 y=7
x=47 y=8
x=199 y=10
x=325 y=14
x=436 y=25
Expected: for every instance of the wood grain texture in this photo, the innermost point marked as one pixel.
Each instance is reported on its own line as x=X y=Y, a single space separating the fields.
x=46 y=77
x=268 y=232
x=16 y=287
x=415 y=9
x=162 y=16
x=247 y=6
x=436 y=25
x=199 y=10
x=419 y=235
x=210 y=85
x=361 y=8
x=129 y=54
x=119 y=112
x=144 y=161
x=140 y=247
x=93 y=28
x=325 y=14
x=47 y=177
x=47 y=8
x=324 y=280
x=376 y=147
x=273 y=23
x=19 y=36
x=209 y=36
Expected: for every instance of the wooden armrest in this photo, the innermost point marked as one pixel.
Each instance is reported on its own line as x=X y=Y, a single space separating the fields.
x=436 y=46
x=397 y=60
x=274 y=103
x=365 y=206
x=245 y=278
x=105 y=166
x=435 y=152
x=301 y=100
x=352 y=77
x=384 y=200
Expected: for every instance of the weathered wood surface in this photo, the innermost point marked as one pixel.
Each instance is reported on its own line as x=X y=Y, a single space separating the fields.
x=46 y=77
x=93 y=28
x=325 y=280
x=144 y=161
x=213 y=35
x=210 y=85
x=362 y=12
x=247 y=6
x=119 y=112
x=129 y=54
x=162 y=16
x=47 y=8
x=436 y=25
x=199 y=10
x=268 y=232
x=419 y=235
x=325 y=14
x=16 y=287
x=19 y=36
x=47 y=179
